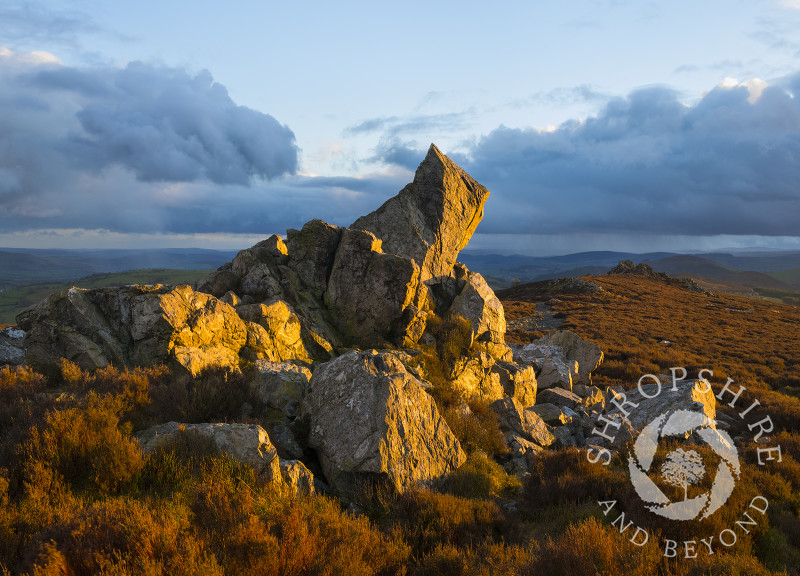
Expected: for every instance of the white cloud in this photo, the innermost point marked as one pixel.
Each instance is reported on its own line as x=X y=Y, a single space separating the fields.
x=12 y=61
x=755 y=86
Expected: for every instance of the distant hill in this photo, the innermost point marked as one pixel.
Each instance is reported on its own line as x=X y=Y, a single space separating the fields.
x=697 y=267
x=20 y=267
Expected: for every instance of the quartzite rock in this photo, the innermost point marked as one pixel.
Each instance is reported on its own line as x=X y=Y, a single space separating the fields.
x=477 y=303
x=559 y=397
x=368 y=291
x=248 y=443
x=474 y=378
x=432 y=219
x=516 y=420
x=370 y=419
x=297 y=479
x=282 y=385
x=258 y=269
x=131 y=326
x=574 y=348
x=518 y=381
x=311 y=252
x=658 y=399
x=274 y=331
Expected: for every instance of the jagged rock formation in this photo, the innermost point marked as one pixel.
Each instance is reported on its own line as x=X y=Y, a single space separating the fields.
x=432 y=219
x=309 y=313
x=369 y=419
x=324 y=289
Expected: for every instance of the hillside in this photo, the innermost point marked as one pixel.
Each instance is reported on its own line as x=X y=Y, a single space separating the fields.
x=646 y=325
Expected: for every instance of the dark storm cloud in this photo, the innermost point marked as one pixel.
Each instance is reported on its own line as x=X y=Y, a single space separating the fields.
x=165 y=125
x=392 y=150
x=730 y=164
x=88 y=146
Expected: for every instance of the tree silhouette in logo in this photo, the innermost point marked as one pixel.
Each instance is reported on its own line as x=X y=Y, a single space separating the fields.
x=683 y=469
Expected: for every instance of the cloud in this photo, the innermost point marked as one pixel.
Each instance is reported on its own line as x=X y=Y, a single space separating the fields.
x=30 y=24
x=395 y=126
x=647 y=163
x=108 y=141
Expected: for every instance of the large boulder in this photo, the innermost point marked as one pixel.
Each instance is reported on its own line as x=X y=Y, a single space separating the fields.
x=133 y=325
x=573 y=348
x=247 y=443
x=369 y=419
x=432 y=219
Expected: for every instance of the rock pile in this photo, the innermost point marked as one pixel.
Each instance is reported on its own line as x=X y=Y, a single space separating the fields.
x=334 y=319
x=641 y=269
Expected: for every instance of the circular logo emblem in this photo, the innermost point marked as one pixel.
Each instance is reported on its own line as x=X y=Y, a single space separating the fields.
x=683 y=467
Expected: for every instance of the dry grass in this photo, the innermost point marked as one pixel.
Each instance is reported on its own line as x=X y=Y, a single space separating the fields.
x=755 y=342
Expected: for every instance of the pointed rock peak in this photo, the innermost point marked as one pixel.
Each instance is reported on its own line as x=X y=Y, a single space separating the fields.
x=432 y=219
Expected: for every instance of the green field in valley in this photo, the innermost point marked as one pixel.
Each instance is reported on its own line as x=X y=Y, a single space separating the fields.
x=13 y=300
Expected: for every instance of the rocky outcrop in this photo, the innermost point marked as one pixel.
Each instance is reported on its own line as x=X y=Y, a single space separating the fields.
x=369 y=419
x=247 y=443
x=377 y=281
x=132 y=326
x=562 y=359
x=12 y=349
x=302 y=310
x=432 y=219
x=641 y=269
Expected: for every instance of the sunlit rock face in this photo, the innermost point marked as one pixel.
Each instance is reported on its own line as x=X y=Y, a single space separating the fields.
x=370 y=419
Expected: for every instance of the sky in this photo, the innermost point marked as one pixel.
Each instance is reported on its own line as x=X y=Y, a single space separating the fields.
x=595 y=124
